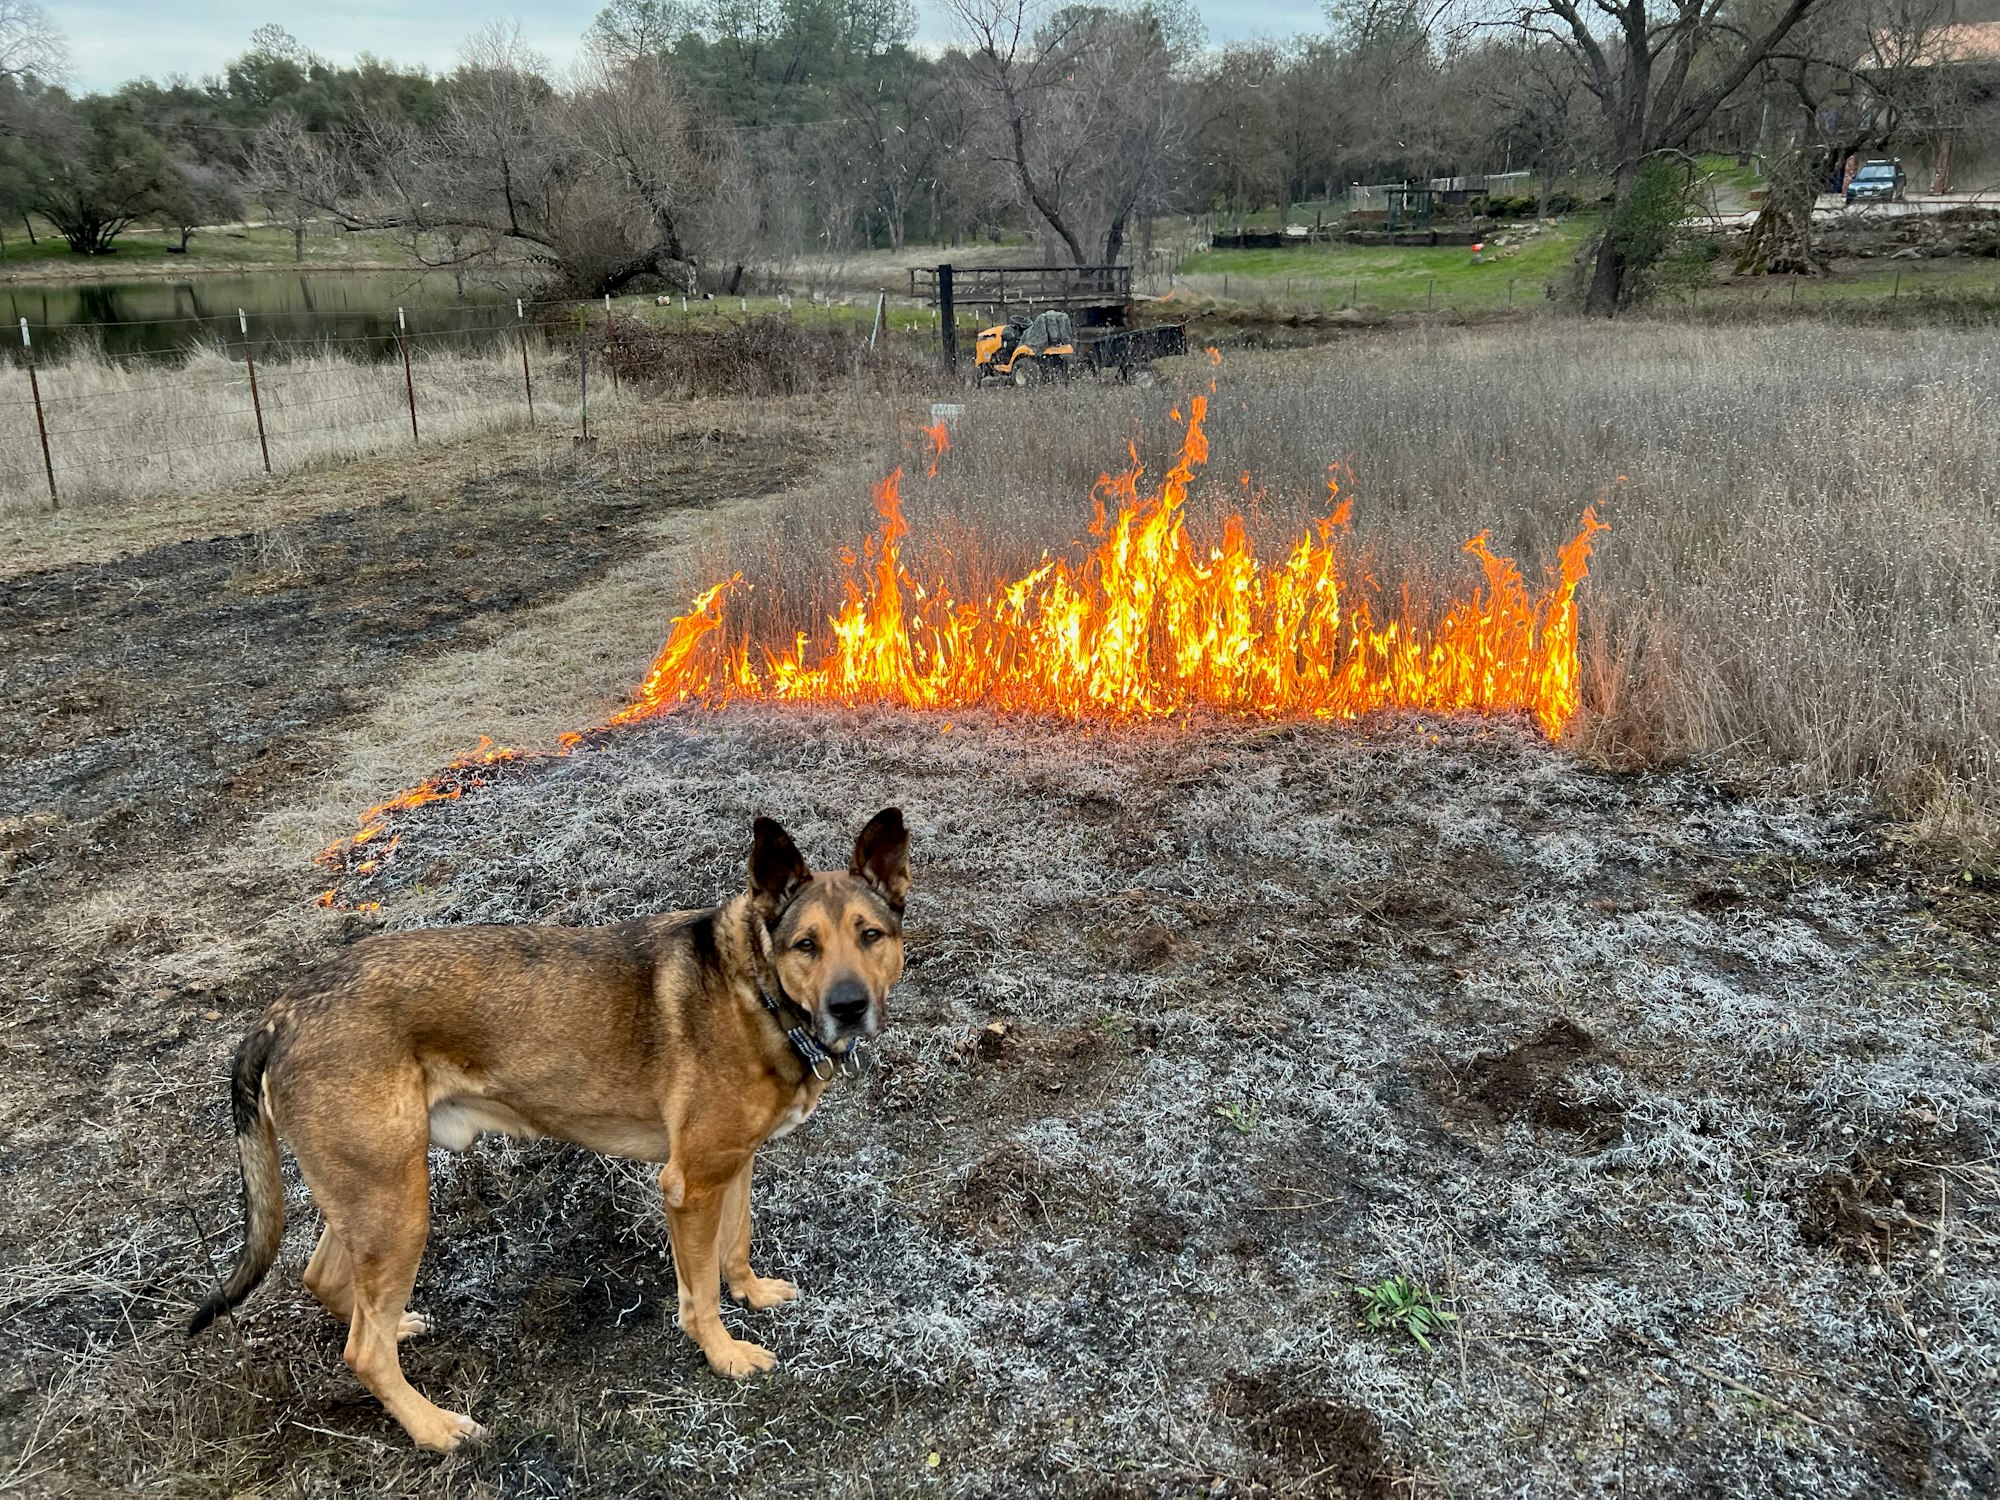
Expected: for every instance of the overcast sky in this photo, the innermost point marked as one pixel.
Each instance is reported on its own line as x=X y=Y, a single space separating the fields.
x=113 y=40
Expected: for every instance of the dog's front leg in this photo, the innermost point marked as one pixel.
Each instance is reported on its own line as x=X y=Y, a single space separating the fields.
x=745 y=1285
x=694 y=1218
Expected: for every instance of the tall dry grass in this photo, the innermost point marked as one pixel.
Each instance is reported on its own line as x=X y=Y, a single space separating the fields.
x=119 y=433
x=1803 y=571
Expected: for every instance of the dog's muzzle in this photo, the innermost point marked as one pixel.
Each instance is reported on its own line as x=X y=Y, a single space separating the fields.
x=846 y=1010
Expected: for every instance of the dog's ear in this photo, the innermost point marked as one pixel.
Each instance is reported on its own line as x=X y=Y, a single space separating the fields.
x=882 y=856
x=777 y=869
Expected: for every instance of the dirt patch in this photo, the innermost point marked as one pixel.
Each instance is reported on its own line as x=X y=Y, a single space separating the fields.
x=1323 y=1449
x=1899 y=1192
x=1532 y=1082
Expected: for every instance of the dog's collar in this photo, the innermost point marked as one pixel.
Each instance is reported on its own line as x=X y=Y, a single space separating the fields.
x=796 y=1022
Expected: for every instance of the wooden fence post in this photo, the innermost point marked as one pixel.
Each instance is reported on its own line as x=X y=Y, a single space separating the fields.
x=947 y=320
x=35 y=388
x=256 y=403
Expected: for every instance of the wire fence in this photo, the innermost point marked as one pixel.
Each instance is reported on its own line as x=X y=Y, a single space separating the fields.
x=83 y=426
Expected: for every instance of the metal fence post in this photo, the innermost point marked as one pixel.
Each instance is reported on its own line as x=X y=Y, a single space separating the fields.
x=35 y=387
x=583 y=387
x=409 y=384
x=527 y=381
x=256 y=403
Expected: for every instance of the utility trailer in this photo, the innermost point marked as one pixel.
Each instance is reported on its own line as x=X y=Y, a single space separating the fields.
x=1048 y=347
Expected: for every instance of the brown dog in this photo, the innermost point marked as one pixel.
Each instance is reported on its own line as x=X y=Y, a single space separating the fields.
x=688 y=1039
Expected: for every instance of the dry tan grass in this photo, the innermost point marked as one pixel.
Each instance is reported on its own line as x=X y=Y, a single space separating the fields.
x=120 y=433
x=1804 y=570
x=561 y=667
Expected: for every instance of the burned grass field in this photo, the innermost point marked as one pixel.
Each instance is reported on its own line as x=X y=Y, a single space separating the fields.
x=1649 y=1076
x=1678 y=1097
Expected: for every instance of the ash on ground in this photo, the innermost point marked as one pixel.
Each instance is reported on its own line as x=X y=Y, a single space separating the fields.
x=1680 y=1098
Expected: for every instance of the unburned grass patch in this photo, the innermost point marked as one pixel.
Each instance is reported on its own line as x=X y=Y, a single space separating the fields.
x=1802 y=576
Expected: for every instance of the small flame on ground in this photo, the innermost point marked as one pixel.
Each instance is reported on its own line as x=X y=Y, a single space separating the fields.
x=1151 y=623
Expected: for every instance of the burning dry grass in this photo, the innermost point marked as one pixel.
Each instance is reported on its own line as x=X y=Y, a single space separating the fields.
x=120 y=434
x=1681 y=1099
x=1803 y=570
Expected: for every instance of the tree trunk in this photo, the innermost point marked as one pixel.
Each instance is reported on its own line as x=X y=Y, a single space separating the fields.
x=29 y=224
x=1114 y=242
x=298 y=239
x=1607 y=280
x=1780 y=242
x=186 y=232
x=1606 y=293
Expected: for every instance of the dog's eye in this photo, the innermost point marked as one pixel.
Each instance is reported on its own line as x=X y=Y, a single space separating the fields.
x=870 y=936
x=805 y=945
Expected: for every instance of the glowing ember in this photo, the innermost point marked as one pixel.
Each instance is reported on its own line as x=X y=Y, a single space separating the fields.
x=1150 y=623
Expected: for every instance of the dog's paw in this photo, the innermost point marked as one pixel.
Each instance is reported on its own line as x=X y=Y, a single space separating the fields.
x=446 y=1430
x=761 y=1292
x=739 y=1359
x=412 y=1325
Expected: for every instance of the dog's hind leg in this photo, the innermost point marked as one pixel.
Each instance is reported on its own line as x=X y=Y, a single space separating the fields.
x=733 y=1246
x=330 y=1277
x=384 y=1232
x=694 y=1217
x=360 y=1140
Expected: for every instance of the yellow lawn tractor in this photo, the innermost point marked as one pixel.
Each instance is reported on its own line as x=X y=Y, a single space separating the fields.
x=1046 y=347
x=1028 y=351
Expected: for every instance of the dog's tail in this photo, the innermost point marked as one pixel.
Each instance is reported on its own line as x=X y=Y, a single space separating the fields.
x=263 y=1183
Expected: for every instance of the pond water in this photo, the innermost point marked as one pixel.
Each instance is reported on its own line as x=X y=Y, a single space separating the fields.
x=288 y=312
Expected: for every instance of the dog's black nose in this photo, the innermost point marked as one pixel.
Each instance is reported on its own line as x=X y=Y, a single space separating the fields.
x=847 y=1002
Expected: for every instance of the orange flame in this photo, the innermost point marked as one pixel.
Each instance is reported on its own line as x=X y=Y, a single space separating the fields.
x=1150 y=623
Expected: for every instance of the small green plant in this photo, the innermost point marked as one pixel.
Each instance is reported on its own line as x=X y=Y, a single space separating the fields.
x=1242 y=1116
x=1400 y=1303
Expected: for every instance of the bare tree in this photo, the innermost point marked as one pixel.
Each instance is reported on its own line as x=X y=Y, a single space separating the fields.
x=30 y=45
x=599 y=182
x=1531 y=97
x=1852 y=77
x=1658 y=69
x=1240 y=137
x=913 y=127
x=1085 y=108
x=295 y=175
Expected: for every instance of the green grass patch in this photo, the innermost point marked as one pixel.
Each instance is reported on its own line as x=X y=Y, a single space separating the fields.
x=1391 y=277
x=1871 y=284
x=1724 y=169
